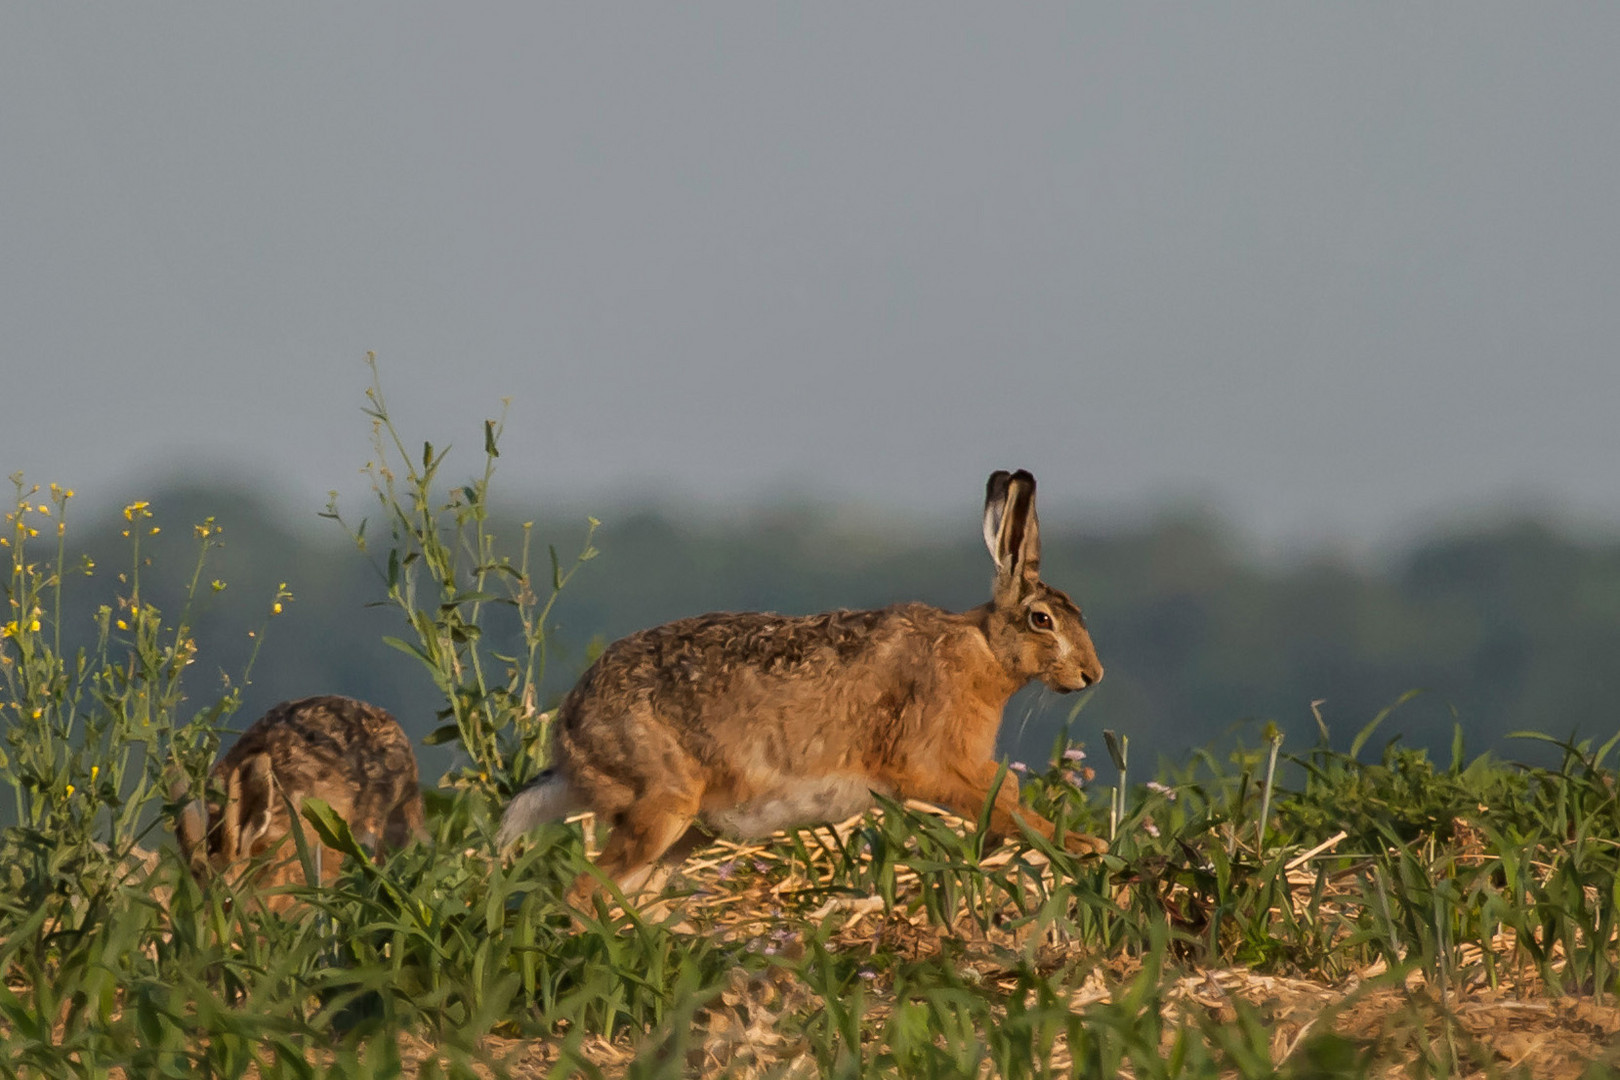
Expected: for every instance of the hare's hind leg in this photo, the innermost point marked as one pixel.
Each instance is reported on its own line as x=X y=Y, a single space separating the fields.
x=631 y=768
x=643 y=835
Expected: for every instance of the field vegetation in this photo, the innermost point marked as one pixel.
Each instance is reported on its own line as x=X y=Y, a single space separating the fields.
x=1272 y=910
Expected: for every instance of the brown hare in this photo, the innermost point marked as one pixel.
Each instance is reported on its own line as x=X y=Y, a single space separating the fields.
x=353 y=755
x=748 y=723
x=752 y=722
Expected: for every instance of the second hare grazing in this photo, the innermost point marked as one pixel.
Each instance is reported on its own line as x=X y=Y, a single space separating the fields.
x=749 y=723
x=353 y=755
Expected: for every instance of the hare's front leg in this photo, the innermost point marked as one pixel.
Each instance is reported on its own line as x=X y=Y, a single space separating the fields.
x=965 y=789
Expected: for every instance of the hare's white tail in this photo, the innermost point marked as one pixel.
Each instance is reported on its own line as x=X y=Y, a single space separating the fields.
x=549 y=798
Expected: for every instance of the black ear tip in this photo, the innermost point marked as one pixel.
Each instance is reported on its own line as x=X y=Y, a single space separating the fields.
x=1024 y=476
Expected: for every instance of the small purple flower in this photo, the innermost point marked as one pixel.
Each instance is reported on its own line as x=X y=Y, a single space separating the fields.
x=760 y=866
x=1072 y=777
x=726 y=869
x=867 y=973
x=1074 y=753
x=1018 y=767
x=1162 y=789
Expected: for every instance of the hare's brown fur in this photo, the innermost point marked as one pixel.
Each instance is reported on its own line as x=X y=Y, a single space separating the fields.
x=350 y=754
x=747 y=723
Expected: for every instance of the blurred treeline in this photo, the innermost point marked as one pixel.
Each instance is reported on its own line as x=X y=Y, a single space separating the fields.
x=1511 y=627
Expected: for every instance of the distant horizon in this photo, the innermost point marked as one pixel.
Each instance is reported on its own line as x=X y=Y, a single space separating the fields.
x=559 y=507
x=1202 y=628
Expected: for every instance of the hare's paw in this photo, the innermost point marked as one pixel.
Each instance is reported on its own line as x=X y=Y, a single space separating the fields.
x=1081 y=844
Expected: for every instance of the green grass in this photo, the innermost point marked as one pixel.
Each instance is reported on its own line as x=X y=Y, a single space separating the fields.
x=1448 y=908
x=1032 y=965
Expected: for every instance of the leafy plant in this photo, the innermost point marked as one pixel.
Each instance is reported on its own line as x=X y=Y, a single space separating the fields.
x=444 y=571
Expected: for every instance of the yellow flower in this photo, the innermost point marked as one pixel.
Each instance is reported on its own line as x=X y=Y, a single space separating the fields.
x=94 y=769
x=70 y=790
x=44 y=509
x=155 y=530
x=137 y=507
x=122 y=625
x=218 y=585
x=275 y=609
x=34 y=626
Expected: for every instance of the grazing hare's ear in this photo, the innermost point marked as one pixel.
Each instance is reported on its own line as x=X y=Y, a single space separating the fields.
x=191 y=826
x=191 y=831
x=995 y=506
x=254 y=782
x=1017 y=547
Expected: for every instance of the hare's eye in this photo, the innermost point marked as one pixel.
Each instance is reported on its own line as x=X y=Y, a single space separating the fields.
x=1040 y=620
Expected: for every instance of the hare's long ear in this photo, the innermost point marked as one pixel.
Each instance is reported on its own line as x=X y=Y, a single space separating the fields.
x=248 y=812
x=191 y=831
x=229 y=814
x=1018 y=542
x=995 y=507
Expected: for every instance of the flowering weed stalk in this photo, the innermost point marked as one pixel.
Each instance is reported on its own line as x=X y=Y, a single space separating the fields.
x=444 y=571
x=90 y=735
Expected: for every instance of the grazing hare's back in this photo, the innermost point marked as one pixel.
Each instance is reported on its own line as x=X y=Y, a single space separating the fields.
x=350 y=754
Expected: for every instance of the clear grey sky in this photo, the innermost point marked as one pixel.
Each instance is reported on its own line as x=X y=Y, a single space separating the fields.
x=1336 y=269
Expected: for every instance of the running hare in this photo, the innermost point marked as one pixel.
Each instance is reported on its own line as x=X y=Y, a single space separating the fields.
x=351 y=754
x=749 y=723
